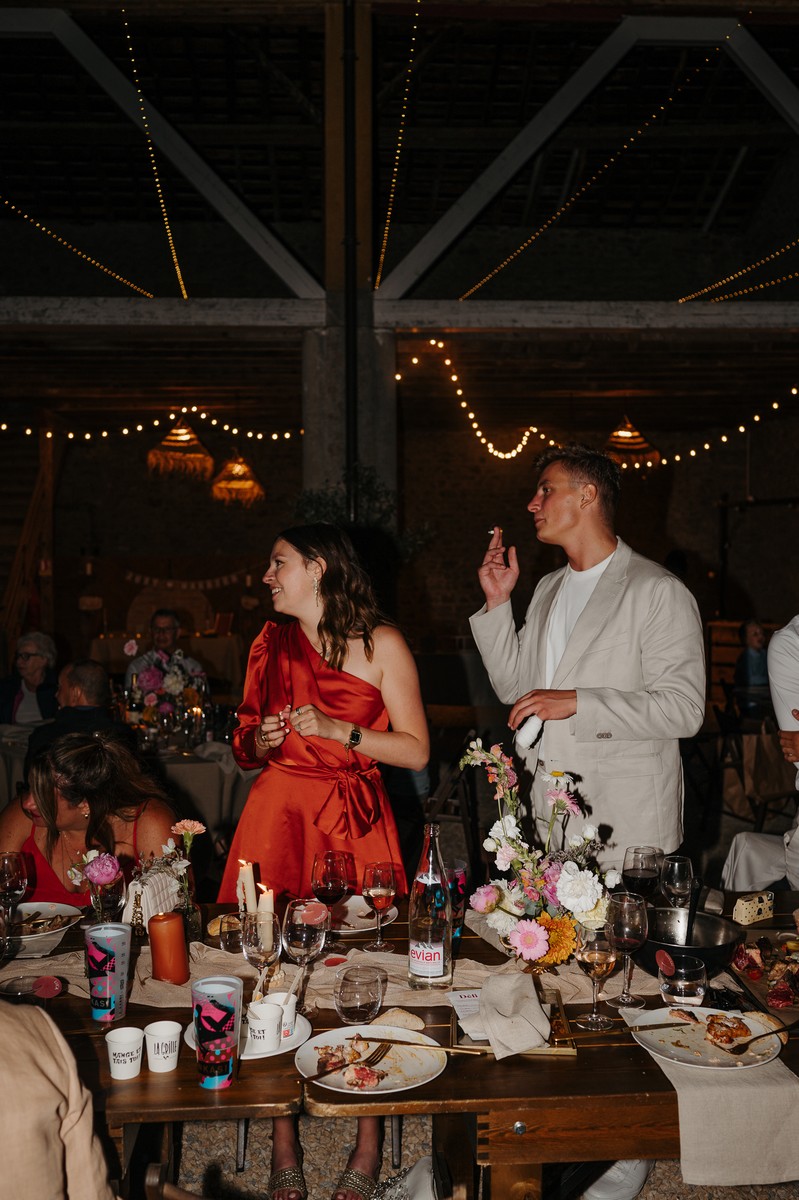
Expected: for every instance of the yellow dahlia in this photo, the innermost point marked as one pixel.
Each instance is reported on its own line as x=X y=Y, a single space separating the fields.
x=562 y=939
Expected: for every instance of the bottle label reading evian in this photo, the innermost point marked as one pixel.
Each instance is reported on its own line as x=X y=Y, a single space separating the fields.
x=426 y=959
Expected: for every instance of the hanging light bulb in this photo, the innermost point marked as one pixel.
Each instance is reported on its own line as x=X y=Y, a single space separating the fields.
x=181 y=451
x=236 y=483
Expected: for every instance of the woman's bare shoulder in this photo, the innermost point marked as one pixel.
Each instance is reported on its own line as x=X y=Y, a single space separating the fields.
x=387 y=639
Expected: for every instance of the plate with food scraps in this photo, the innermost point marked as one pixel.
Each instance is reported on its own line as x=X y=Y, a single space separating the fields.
x=302 y=1031
x=402 y=1068
x=691 y=1045
x=37 y=928
x=354 y=915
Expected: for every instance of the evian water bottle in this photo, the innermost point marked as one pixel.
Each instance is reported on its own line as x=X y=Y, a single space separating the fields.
x=430 y=919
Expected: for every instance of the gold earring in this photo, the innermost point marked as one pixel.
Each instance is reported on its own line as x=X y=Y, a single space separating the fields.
x=316 y=590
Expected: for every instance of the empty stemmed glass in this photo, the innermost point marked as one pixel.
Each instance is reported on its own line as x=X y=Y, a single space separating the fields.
x=596 y=955
x=379 y=889
x=13 y=881
x=260 y=941
x=305 y=927
x=676 y=880
x=329 y=883
x=628 y=926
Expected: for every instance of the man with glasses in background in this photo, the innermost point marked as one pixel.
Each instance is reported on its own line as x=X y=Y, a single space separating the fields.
x=164 y=629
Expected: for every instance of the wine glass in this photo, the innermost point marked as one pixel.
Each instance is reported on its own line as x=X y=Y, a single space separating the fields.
x=305 y=927
x=627 y=926
x=357 y=994
x=640 y=872
x=379 y=888
x=676 y=879
x=596 y=955
x=13 y=880
x=260 y=941
x=329 y=883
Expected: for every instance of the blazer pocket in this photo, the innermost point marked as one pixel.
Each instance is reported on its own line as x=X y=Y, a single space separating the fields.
x=629 y=765
x=601 y=645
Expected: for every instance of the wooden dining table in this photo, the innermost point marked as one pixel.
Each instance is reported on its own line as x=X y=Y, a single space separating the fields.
x=608 y=1101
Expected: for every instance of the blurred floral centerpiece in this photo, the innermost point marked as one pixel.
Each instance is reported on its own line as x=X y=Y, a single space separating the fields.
x=535 y=912
x=164 y=684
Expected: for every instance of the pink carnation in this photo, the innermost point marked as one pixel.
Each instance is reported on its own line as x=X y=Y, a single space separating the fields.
x=192 y=827
x=485 y=899
x=530 y=940
x=102 y=870
x=130 y=647
x=505 y=856
x=150 y=679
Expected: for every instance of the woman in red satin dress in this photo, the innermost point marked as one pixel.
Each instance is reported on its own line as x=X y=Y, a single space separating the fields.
x=327 y=696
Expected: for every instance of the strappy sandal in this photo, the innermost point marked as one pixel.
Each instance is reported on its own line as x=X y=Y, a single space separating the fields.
x=355 y=1181
x=290 y=1179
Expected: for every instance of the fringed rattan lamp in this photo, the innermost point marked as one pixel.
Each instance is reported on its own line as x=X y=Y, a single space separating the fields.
x=630 y=448
x=181 y=451
x=236 y=484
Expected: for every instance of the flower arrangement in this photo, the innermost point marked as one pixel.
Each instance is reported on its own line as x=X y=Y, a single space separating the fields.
x=164 y=683
x=101 y=872
x=537 y=910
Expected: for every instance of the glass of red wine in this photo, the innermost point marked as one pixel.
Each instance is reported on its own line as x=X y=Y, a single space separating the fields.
x=329 y=884
x=640 y=872
x=627 y=924
x=379 y=888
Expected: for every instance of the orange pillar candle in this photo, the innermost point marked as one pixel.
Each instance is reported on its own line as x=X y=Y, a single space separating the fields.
x=168 y=947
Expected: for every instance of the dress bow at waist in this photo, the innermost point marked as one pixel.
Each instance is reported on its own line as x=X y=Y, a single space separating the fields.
x=352 y=806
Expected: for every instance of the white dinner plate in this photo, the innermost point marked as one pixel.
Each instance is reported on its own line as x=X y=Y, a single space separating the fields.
x=354 y=915
x=37 y=945
x=406 y=1067
x=302 y=1031
x=689 y=1046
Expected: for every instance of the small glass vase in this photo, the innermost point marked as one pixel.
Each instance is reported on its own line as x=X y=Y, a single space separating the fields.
x=108 y=899
x=188 y=906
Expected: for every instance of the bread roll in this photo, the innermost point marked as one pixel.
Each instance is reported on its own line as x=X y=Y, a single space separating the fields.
x=401 y=1018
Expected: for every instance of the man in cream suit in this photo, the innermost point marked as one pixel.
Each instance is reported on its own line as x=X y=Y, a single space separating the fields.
x=610 y=657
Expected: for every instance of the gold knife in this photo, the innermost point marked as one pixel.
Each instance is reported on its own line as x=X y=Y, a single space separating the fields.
x=625 y=1029
x=427 y=1045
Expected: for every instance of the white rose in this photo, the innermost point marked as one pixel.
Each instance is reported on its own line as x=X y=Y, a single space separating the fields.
x=589 y=832
x=612 y=879
x=576 y=841
x=504 y=830
x=490 y=845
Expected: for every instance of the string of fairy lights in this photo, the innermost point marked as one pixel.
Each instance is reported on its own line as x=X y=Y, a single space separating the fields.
x=151 y=154
x=392 y=190
x=438 y=347
x=131 y=429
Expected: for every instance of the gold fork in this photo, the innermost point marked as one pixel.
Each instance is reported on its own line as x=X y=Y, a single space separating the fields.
x=376 y=1056
x=742 y=1047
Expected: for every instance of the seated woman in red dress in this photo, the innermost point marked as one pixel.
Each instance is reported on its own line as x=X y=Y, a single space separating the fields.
x=86 y=792
x=327 y=696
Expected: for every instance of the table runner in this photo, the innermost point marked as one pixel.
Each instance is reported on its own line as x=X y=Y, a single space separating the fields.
x=736 y=1127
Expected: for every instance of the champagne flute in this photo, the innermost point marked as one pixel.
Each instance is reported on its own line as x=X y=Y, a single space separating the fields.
x=379 y=888
x=260 y=941
x=640 y=872
x=305 y=927
x=628 y=926
x=329 y=883
x=596 y=955
x=676 y=878
x=13 y=881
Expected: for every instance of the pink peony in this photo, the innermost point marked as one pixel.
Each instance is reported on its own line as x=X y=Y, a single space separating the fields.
x=150 y=679
x=530 y=940
x=102 y=870
x=485 y=899
x=130 y=647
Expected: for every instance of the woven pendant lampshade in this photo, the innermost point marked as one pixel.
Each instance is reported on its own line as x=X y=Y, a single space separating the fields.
x=630 y=448
x=236 y=484
x=181 y=451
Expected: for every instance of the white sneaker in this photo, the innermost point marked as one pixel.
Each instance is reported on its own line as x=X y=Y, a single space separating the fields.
x=622 y=1181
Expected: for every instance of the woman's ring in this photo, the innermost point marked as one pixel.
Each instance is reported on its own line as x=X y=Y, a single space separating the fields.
x=298 y=711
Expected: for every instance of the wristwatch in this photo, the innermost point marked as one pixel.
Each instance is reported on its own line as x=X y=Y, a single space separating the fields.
x=355 y=738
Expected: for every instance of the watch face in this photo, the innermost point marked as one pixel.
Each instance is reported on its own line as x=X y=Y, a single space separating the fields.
x=355 y=737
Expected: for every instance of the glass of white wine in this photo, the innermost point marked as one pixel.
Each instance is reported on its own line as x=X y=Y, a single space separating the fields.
x=596 y=955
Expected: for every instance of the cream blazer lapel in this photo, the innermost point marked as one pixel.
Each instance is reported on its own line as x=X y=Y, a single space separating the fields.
x=595 y=616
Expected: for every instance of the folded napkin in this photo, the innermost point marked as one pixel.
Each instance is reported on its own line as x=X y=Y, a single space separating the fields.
x=736 y=1126
x=394 y=967
x=510 y=1016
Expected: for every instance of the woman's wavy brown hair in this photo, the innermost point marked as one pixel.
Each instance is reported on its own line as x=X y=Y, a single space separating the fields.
x=96 y=769
x=350 y=606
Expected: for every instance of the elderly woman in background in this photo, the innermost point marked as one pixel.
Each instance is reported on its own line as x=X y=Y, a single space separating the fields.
x=88 y=792
x=27 y=695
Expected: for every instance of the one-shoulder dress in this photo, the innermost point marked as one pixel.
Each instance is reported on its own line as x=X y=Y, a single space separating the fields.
x=311 y=796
